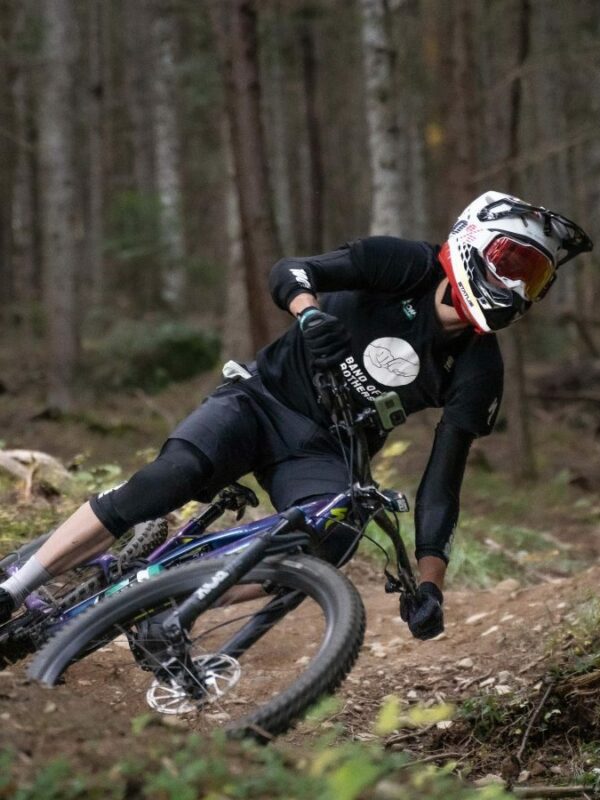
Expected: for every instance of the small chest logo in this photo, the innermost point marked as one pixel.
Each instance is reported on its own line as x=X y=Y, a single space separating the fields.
x=391 y=361
x=409 y=310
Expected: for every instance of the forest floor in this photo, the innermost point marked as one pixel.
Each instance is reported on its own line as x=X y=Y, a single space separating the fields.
x=501 y=645
x=518 y=660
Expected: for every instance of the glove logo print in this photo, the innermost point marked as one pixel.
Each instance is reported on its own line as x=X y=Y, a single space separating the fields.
x=391 y=361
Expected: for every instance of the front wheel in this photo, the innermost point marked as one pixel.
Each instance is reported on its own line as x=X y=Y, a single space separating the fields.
x=242 y=671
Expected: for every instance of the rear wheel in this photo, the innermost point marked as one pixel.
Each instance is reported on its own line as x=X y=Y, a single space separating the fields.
x=259 y=688
x=26 y=632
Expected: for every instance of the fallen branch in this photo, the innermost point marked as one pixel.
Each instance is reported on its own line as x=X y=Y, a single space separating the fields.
x=533 y=719
x=550 y=791
x=36 y=457
x=29 y=465
x=13 y=467
x=434 y=757
x=402 y=737
x=565 y=397
x=476 y=679
x=532 y=664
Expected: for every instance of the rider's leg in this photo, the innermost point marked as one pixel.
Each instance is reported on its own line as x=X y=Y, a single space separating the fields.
x=78 y=539
x=174 y=478
x=223 y=439
x=81 y=537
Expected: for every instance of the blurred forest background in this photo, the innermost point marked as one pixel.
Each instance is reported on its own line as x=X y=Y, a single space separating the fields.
x=158 y=156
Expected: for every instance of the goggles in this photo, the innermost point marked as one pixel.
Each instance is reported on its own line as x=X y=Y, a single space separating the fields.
x=520 y=267
x=573 y=239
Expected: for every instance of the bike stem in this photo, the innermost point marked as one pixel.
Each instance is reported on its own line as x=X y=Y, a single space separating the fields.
x=177 y=623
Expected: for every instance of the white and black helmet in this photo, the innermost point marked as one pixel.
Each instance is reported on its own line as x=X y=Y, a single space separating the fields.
x=502 y=255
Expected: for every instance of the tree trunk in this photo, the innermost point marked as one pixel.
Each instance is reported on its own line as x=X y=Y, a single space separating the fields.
x=96 y=112
x=517 y=406
x=61 y=220
x=277 y=98
x=418 y=195
x=549 y=98
x=167 y=155
x=139 y=72
x=8 y=34
x=587 y=158
x=235 y=25
x=25 y=254
x=313 y=129
x=237 y=343
x=462 y=156
x=385 y=140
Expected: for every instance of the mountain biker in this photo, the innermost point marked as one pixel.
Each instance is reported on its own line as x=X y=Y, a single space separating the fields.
x=391 y=314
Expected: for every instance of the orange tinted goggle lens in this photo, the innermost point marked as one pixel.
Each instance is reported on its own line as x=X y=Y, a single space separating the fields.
x=518 y=261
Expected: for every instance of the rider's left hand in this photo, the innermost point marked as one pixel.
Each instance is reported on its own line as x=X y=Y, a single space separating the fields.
x=325 y=337
x=424 y=613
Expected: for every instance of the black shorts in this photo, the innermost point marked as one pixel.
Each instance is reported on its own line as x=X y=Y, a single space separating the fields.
x=242 y=428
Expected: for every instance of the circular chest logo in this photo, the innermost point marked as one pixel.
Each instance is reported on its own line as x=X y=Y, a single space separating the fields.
x=391 y=361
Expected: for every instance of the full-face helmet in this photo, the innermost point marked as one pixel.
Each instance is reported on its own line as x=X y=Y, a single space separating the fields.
x=502 y=255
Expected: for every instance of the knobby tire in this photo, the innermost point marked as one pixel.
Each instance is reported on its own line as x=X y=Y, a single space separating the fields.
x=335 y=598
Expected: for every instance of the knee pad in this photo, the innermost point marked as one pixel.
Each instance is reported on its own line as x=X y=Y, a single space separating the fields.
x=173 y=479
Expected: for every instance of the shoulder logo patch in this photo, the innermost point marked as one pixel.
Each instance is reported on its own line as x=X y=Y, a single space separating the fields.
x=391 y=361
x=301 y=277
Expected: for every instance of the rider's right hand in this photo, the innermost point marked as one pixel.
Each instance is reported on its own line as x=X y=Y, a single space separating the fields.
x=424 y=613
x=326 y=338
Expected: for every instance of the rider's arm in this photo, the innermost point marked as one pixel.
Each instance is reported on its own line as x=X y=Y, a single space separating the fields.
x=471 y=407
x=438 y=497
x=377 y=263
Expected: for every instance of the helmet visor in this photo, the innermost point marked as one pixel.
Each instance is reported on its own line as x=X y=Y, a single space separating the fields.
x=520 y=266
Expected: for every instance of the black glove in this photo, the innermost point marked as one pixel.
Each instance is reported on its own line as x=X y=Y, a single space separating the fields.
x=424 y=612
x=325 y=336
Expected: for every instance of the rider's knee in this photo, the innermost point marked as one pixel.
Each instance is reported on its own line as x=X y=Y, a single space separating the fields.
x=173 y=479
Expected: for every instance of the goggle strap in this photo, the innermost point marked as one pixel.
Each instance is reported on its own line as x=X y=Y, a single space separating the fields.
x=577 y=242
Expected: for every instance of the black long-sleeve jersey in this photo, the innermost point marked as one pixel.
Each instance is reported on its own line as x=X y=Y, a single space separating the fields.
x=383 y=289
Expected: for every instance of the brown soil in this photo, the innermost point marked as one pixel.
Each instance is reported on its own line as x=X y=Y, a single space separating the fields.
x=505 y=648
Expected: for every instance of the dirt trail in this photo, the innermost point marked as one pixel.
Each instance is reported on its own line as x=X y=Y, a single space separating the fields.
x=494 y=639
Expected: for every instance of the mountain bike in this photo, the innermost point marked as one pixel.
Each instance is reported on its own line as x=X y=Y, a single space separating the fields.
x=224 y=640
x=136 y=557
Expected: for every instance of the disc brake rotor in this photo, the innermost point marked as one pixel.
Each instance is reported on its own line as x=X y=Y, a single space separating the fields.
x=219 y=673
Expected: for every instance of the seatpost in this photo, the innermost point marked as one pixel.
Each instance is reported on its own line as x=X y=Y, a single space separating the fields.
x=183 y=617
